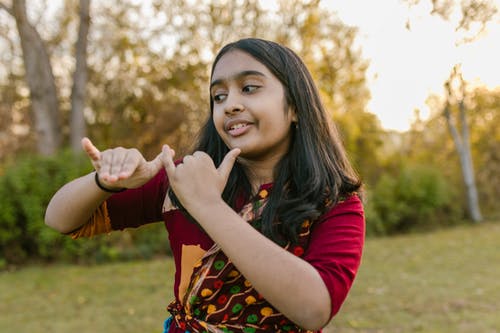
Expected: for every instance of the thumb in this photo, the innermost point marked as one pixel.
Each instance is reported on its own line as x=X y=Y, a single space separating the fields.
x=161 y=158
x=155 y=165
x=227 y=163
x=91 y=150
x=166 y=157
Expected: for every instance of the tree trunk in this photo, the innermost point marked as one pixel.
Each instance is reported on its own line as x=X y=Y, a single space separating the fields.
x=78 y=125
x=462 y=146
x=41 y=82
x=468 y=168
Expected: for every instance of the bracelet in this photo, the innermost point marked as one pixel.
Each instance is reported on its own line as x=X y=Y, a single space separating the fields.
x=98 y=183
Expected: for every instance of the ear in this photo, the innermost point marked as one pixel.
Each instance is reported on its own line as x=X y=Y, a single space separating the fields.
x=293 y=115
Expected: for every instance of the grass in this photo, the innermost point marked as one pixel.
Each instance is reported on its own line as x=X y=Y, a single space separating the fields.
x=446 y=281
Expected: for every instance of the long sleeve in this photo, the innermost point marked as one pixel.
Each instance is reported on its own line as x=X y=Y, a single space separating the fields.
x=128 y=209
x=335 y=248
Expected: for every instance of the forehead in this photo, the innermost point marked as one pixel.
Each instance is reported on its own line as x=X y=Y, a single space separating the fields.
x=235 y=62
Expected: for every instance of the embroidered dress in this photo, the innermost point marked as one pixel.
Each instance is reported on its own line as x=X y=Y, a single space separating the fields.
x=333 y=247
x=220 y=299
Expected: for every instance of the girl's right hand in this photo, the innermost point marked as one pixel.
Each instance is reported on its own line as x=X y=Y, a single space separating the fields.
x=120 y=167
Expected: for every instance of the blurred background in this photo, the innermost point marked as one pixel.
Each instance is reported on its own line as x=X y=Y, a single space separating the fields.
x=413 y=86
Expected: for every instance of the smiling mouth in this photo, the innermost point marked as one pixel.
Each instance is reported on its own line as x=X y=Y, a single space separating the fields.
x=237 y=126
x=238 y=129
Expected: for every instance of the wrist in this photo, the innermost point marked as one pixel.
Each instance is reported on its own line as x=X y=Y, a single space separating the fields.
x=105 y=188
x=200 y=209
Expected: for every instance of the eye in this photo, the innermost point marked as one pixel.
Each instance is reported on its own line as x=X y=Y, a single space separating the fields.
x=217 y=98
x=250 y=88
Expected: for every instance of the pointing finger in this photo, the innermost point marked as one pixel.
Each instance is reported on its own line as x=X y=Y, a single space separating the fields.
x=227 y=163
x=91 y=150
x=167 y=155
x=158 y=163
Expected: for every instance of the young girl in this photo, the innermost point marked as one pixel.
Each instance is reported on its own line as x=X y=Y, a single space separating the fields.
x=264 y=220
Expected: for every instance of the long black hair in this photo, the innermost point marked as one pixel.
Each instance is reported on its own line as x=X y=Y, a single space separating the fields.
x=315 y=172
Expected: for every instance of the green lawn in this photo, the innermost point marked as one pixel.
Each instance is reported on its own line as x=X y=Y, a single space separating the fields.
x=446 y=281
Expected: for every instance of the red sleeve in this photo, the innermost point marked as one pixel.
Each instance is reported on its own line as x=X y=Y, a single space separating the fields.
x=136 y=207
x=336 y=246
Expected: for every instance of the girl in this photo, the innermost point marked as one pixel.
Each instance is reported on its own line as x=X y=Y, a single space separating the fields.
x=264 y=220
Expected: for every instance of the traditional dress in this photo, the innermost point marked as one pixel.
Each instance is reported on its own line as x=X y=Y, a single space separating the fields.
x=211 y=295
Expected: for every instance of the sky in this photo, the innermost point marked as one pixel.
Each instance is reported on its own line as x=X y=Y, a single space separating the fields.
x=406 y=66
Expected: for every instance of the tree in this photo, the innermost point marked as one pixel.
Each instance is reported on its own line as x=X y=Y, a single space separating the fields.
x=471 y=16
x=41 y=81
x=429 y=143
x=470 y=23
x=455 y=89
x=485 y=143
x=78 y=128
x=157 y=84
x=148 y=63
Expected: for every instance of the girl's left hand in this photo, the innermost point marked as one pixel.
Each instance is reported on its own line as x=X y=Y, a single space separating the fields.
x=196 y=180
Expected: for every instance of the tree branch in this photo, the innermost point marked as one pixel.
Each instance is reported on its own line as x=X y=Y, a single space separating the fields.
x=7 y=9
x=449 y=120
x=453 y=129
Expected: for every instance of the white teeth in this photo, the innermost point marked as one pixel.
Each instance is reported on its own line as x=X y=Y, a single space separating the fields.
x=237 y=126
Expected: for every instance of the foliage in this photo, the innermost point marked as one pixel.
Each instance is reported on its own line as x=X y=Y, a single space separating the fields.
x=26 y=188
x=485 y=142
x=416 y=198
x=148 y=77
x=149 y=63
x=431 y=136
x=470 y=18
x=363 y=139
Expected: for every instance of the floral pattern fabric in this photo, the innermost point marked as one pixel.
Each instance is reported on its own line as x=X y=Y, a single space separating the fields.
x=220 y=299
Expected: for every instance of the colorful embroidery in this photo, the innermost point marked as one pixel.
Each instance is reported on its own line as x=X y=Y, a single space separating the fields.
x=220 y=299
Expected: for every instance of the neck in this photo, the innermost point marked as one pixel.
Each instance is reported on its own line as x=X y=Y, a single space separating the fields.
x=258 y=172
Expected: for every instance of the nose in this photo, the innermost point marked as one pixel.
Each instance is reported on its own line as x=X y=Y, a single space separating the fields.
x=233 y=104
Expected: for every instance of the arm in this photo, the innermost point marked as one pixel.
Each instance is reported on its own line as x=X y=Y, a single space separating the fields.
x=294 y=286
x=74 y=203
x=289 y=283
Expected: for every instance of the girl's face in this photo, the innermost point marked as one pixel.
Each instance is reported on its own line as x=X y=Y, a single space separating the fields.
x=249 y=107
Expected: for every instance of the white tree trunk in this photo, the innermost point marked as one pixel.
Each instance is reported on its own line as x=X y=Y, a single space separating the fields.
x=462 y=146
x=40 y=79
x=468 y=168
x=78 y=95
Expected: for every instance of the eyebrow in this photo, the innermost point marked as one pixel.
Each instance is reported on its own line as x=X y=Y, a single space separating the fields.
x=236 y=76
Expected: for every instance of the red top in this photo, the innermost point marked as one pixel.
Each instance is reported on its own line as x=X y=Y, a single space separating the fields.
x=335 y=246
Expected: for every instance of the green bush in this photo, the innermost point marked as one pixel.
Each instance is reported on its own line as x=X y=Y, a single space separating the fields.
x=26 y=188
x=417 y=198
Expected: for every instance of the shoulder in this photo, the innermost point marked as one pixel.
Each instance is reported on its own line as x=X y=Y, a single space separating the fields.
x=344 y=219
x=347 y=204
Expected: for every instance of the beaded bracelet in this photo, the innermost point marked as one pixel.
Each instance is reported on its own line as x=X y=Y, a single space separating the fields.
x=98 y=183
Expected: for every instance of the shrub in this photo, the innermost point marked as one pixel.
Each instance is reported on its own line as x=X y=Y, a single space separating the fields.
x=26 y=188
x=417 y=198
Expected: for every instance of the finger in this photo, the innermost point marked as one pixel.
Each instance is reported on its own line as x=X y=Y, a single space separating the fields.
x=91 y=150
x=156 y=164
x=187 y=159
x=166 y=156
x=227 y=163
x=106 y=162
x=118 y=159
x=128 y=166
